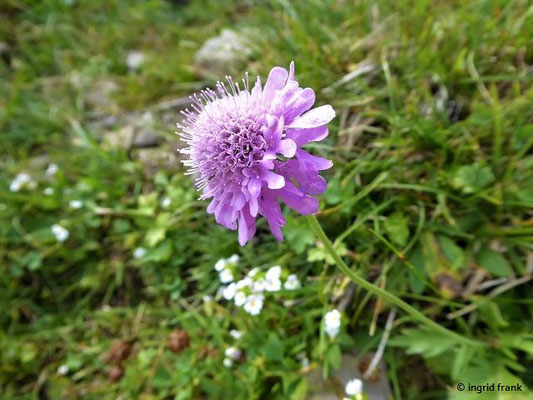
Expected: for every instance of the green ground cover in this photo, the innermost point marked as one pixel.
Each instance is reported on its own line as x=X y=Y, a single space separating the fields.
x=430 y=198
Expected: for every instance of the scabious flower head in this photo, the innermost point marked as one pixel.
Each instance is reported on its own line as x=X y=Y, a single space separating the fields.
x=245 y=147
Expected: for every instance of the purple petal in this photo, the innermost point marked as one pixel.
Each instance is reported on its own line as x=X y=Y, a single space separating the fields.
x=271 y=210
x=296 y=200
x=304 y=136
x=246 y=226
x=314 y=118
x=312 y=163
x=288 y=148
x=291 y=71
x=302 y=101
x=274 y=181
x=276 y=80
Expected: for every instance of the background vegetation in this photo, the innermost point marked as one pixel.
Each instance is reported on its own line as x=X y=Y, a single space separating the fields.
x=431 y=198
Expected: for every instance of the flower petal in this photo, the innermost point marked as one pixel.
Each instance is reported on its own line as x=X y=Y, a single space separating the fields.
x=314 y=118
x=304 y=136
x=288 y=148
x=312 y=163
x=296 y=200
x=274 y=181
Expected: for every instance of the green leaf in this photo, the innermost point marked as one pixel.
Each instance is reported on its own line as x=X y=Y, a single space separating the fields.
x=453 y=253
x=472 y=178
x=272 y=350
x=424 y=342
x=333 y=356
x=494 y=263
x=397 y=228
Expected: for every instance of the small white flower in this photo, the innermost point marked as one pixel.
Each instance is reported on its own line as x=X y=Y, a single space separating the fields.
x=273 y=272
x=60 y=233
x=234 y=259
x=62 y=369
x=332 y=323
x=292 y=282
x=259 y=285
x=166 y=202
x=245 y=282
x=272 y=284
x=134 y=59
x=331 y=331
x=226 y=276
x=227 y=363
x=19 y=181
x=240 y=298
x=48 y=191
x=220 y=265
x=229 y=291
x=75 y=204
x=233 y=353
x=254 y=304
x=51 y=170
x=235 y=334
x=139 y=252
x=253 y=272
x=207 y=299
x=354 y=387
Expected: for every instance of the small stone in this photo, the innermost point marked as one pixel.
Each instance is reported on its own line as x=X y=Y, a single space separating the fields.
x=224 y=54
x=116 y=373
x=178 y=340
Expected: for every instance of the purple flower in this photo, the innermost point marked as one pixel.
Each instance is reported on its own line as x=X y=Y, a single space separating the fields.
x=245 y=147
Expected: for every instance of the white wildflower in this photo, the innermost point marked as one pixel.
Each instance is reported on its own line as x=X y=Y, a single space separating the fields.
x=354 y=387
x=240 y=298
x=259 y=285
x=234 y=259
x=253 y=272
x=139 y=252
x=292 y=282
x=51 y=170
x=62 y=369
x=229 y=291
x=19 y=181
x=245 y=282
x=254 y=304
x=227 y=363
x=134 y=60
x=220 y=265
x=235 y=334
x=48 y=191
x=226 y=276
x=273 y=272
x=233 y=353
x=165 y=203
x=272 y=284
x=75 y=204
x=60 y=233
x=332 y=323
x=207 y=299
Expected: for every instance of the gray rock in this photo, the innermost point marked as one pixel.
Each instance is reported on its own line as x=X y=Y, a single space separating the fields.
x=377 y=388
x=223 y=54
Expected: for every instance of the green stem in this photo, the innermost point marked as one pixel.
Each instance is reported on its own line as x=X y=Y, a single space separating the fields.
x=317 y=230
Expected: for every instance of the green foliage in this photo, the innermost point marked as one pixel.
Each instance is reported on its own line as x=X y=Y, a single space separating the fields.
x=430 y=197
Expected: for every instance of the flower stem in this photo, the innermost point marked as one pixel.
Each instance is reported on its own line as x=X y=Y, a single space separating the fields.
x=413 y=312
